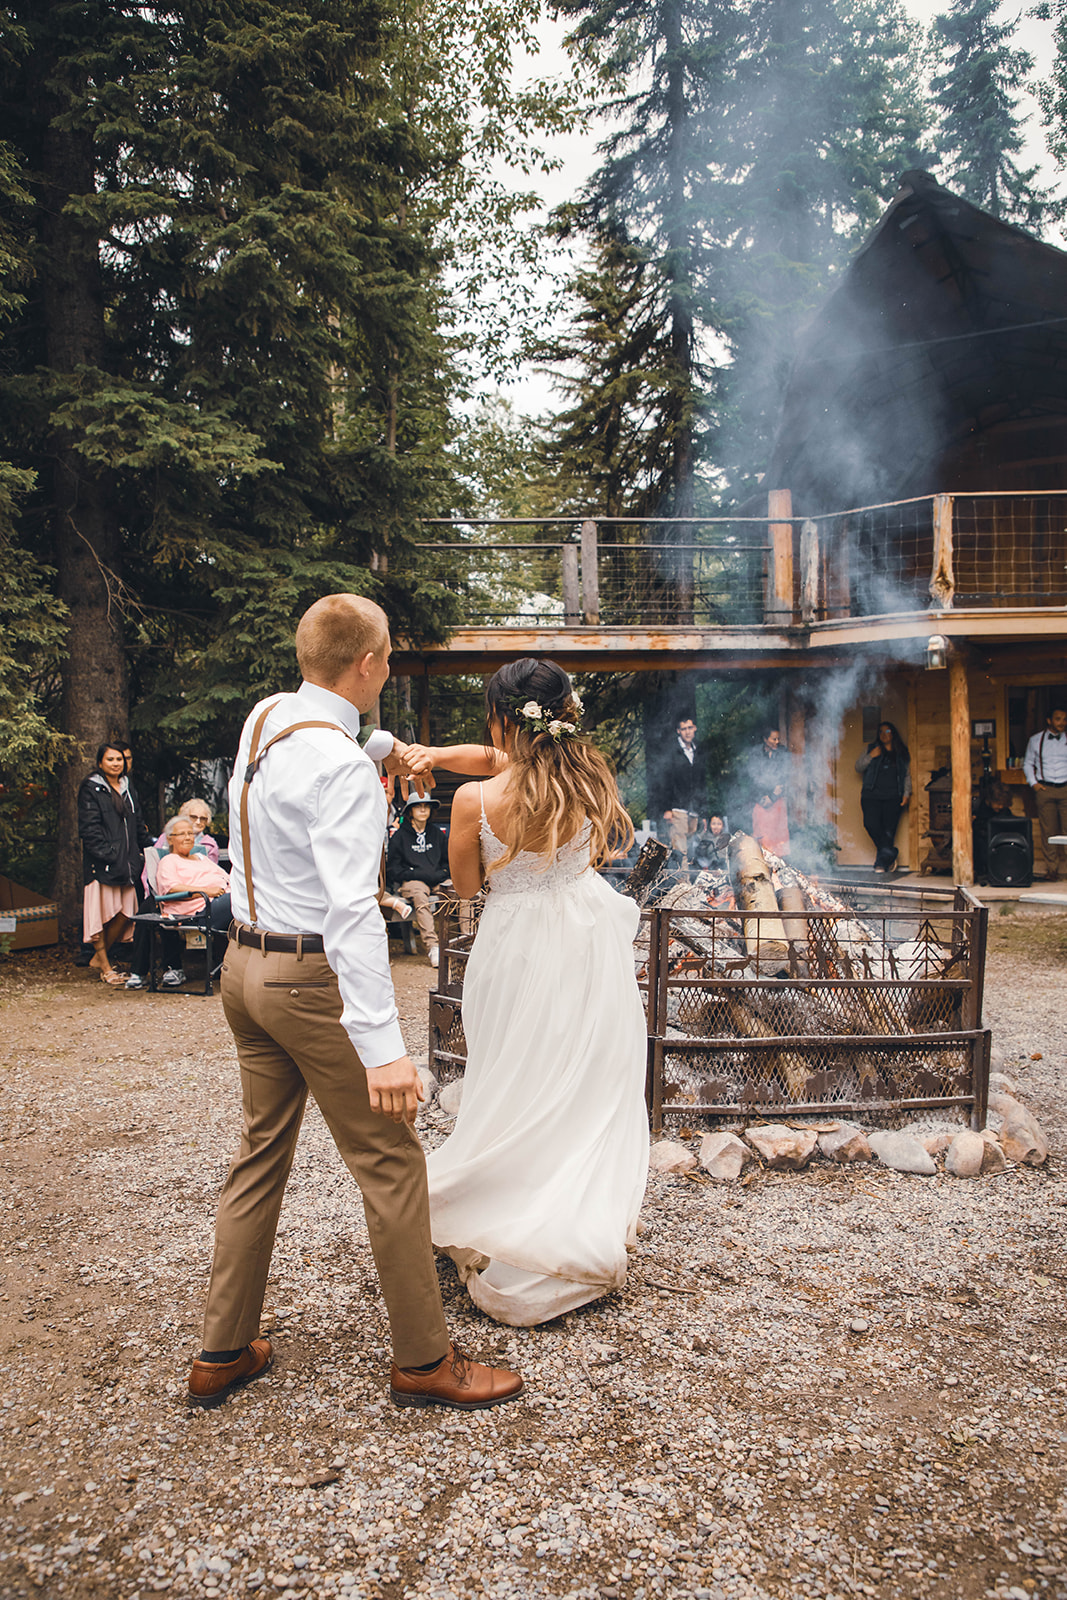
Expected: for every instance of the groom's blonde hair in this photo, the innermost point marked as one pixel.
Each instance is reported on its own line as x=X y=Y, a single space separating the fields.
x=336 y=631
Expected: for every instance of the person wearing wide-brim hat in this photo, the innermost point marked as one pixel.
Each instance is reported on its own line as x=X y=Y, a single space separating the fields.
x=417 y=864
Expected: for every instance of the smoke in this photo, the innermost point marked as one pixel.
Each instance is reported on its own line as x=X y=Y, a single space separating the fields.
x=733 y=716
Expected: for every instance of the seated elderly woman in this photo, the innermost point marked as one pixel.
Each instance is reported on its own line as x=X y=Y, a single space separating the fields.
x=198 y=813
x=205 y=880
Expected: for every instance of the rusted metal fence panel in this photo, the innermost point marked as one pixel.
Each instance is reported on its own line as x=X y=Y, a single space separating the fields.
x=877 y=1010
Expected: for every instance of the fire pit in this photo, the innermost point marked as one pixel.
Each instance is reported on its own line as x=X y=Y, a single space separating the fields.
x=872 y=1007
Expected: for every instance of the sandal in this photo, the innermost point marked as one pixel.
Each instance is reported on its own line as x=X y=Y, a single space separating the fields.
x=112 y=978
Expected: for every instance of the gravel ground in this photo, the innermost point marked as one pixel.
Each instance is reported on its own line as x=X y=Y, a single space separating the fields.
x=839 y=1382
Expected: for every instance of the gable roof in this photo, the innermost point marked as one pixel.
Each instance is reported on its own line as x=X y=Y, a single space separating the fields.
x=947 y=323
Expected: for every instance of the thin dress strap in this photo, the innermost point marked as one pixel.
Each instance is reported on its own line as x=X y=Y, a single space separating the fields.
x=481 y=802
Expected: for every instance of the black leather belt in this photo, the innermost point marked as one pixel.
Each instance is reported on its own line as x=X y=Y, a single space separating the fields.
x=284 y=944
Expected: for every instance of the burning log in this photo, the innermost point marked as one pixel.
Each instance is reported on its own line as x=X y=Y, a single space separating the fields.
x=646 y=870
x=791 y=898
x=755 y=892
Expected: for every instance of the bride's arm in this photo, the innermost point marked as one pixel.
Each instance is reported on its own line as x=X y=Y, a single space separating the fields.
x=464 y=845
x=474 y=760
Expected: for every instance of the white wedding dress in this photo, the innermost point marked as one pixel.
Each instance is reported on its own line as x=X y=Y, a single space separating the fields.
x=536 y=1193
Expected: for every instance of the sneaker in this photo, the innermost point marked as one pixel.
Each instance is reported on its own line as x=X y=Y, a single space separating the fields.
x=173 y=978
x=433 y=955
x=135 y=981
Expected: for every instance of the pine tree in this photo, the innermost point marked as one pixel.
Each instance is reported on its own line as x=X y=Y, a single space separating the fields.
x=200 y=373
x=609 y=448
x=829 y=112
x=665 y=65
x=754 y=145
x=978 y=93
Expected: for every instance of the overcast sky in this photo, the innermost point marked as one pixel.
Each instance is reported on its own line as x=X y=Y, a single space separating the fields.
x=532 y=394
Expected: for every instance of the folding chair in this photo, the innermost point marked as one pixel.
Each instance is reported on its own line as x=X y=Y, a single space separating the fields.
x=195 y=930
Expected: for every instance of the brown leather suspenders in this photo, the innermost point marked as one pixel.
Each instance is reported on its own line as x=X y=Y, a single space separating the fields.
x=251 y=769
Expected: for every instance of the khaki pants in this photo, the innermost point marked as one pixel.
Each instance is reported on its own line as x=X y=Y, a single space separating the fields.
x=682 y=824
x=1051 y=801
x=419 y=895
x=285 y=1017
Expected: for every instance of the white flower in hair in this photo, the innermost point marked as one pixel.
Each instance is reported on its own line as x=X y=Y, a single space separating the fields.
x=565 y=727
x=555 y=726
x=576 y=702
x=533 y=710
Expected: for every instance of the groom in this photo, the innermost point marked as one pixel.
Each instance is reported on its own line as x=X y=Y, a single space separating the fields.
x=308 y=996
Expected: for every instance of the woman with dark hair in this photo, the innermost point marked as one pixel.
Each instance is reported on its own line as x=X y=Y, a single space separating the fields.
x=113 y=836
x=886 y=769
x=537 y=1191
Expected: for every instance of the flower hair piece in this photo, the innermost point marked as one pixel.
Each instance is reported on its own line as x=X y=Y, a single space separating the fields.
x=539 y=721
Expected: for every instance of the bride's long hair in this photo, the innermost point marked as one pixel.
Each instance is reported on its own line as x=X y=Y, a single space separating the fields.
x=555 y=784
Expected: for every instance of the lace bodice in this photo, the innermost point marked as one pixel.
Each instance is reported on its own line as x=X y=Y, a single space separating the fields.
x=527 y=873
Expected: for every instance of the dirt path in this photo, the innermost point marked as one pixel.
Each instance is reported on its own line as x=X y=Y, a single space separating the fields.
x=829 y=1383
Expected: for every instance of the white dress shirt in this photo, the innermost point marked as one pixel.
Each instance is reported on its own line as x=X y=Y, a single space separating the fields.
x=1046 y=758
x=317 y=817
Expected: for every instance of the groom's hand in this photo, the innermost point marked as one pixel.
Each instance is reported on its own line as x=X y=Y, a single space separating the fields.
x=410 y=761
x=395 y=1090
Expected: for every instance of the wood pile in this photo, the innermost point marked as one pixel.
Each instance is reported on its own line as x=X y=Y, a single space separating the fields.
x=727 y=966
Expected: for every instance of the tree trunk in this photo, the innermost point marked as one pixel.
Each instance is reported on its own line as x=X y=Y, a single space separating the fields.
x=680 y=298
x=85 y=526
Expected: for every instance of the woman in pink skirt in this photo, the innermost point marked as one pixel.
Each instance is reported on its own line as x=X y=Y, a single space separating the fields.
x=113 y=836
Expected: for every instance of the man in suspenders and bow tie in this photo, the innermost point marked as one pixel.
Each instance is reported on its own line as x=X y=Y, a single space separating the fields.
x=308 y=995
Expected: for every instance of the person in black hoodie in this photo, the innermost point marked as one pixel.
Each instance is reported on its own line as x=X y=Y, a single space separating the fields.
x=113 y=836
x=417 y=863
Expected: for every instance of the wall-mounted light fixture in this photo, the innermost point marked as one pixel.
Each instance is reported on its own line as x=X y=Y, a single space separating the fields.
x=936 y=652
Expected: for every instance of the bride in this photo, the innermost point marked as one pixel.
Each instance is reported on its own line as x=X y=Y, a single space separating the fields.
x=536 y=1192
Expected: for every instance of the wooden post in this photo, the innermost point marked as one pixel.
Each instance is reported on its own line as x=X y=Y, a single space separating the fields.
x=837 y=572
x=424 y=707
x=780 y=587
x=571 y=604
x=960 y=729
x=943 y=577
x=809 y=571
x=795 y=738
x=590 y=576
x=915 y=804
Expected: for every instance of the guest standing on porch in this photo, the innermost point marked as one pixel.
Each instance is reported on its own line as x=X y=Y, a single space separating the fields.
x=1045 y=766
x=684 y=786
x=886 y=769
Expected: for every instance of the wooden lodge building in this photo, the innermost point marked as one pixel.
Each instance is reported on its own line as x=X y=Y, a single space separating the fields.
x=918 y=492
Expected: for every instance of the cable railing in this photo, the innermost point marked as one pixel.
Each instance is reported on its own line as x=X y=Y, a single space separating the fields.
x=933 y=552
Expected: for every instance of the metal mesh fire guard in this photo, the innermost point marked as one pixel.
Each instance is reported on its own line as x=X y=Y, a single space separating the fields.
x=876 y=1010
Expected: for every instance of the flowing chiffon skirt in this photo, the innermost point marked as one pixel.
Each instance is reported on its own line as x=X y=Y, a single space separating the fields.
x=537 y=1191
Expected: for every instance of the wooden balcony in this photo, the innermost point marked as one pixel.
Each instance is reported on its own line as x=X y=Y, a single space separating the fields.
x=761 y=591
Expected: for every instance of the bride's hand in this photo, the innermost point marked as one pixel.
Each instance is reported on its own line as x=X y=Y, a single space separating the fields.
x=416 y=760
x=410 y=762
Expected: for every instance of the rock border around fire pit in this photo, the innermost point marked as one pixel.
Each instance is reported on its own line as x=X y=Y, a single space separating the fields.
x=1014 y=1138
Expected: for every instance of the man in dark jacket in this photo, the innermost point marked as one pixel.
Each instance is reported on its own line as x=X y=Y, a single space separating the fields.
x=684 y=786
x=417 y=863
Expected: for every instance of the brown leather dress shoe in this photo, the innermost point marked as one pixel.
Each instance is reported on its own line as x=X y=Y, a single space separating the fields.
x=212 y=1382
x=457 y=1382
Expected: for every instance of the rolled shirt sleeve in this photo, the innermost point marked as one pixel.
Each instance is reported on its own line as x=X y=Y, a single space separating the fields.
x=346 y=806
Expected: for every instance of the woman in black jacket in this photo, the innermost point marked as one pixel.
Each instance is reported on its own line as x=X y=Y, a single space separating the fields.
x=113 y=836
x=886 y=769
x=417 y=863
